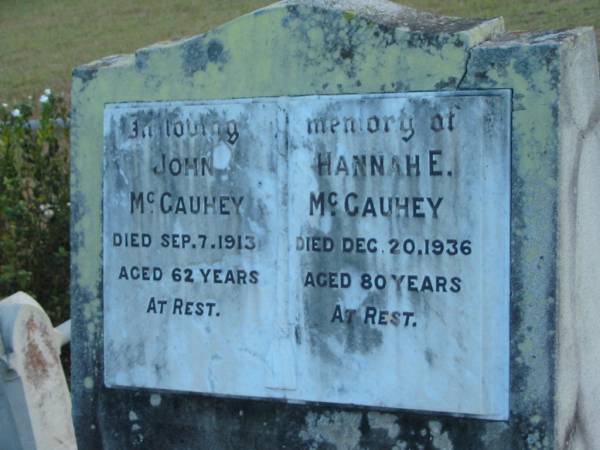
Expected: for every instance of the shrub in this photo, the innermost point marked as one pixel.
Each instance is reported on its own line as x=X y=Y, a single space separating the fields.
x=34 y=202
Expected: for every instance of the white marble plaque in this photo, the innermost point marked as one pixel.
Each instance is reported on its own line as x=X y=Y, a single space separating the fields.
x=349 y=249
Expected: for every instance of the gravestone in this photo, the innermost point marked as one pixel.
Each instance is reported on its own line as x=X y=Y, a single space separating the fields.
x=338 y=225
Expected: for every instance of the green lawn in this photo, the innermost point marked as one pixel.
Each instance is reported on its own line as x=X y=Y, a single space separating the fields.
x=41 y=40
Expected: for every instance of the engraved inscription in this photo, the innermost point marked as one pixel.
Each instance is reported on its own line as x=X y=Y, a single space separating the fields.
x=350 y=249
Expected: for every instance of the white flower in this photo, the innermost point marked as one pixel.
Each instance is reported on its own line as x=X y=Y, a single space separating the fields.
x=16 y=113
x=5 y=105
x=48 y=91
x=47 y=210
x=44 y=99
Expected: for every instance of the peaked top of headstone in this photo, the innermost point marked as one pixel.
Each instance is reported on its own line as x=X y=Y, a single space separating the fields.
x=381 y=12
x=392 y=14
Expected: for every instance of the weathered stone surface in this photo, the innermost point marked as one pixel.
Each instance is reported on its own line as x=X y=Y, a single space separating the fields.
x=35 y=405
x=344 y=241
x=556 y=98
x=307 y=48
x=578 y=335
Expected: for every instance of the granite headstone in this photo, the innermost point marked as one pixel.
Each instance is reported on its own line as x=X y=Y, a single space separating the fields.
x=338 y=225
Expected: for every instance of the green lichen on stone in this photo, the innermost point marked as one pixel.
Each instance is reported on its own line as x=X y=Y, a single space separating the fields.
x=296 y=49
x=531 y=67
x=349 y=15
x=287 y=50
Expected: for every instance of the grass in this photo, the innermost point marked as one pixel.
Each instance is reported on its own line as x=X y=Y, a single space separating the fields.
x=41 y=41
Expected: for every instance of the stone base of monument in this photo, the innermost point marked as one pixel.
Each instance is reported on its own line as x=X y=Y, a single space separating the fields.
x=338 y=225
